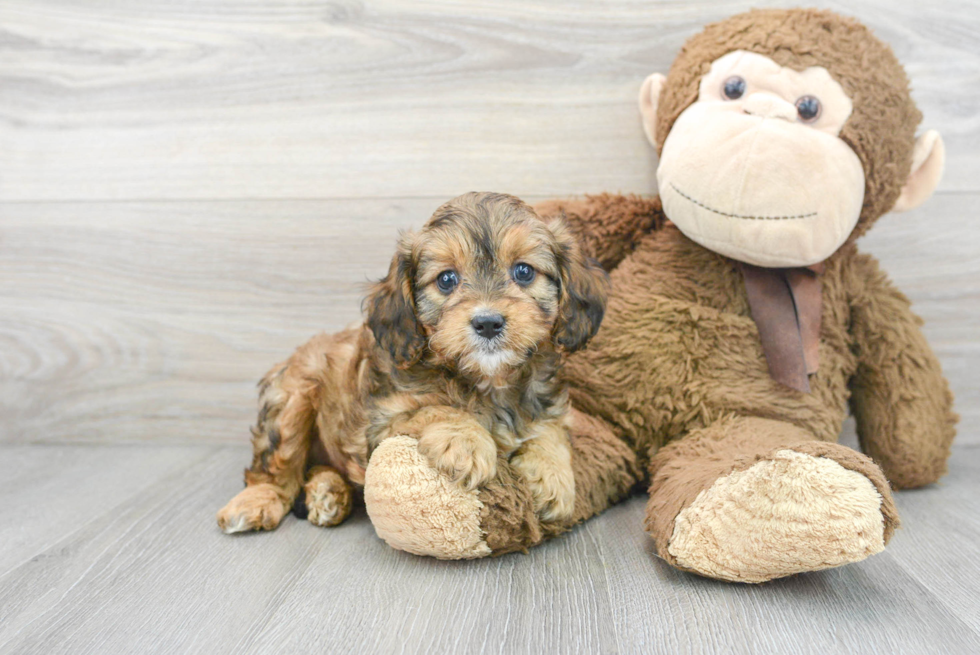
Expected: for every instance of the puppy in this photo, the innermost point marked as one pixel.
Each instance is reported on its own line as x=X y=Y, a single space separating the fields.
x=462 y=349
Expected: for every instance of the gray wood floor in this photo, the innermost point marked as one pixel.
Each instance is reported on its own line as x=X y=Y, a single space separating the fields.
x=190 y=189
x=129 y=560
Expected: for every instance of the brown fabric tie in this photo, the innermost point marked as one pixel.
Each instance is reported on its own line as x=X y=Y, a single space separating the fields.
x=786 y=307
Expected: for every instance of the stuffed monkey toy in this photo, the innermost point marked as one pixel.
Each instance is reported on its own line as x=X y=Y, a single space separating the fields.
x=743 y=322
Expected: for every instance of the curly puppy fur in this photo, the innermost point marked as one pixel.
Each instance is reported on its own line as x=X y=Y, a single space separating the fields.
x=461 y=349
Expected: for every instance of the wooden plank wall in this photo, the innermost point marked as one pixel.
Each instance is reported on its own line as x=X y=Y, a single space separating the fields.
x=190 y=189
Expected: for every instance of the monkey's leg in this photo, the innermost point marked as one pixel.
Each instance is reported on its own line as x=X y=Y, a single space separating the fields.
x=416 y=508
x=280 y=444
x=750 y=500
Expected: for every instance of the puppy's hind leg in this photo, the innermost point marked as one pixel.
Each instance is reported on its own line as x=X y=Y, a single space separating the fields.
x=280 y=445
x=327 y=496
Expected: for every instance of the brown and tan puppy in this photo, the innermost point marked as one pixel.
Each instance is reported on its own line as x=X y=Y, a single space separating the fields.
x=461 y=349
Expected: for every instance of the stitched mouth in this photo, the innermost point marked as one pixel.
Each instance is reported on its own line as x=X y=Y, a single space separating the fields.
x=741 y=216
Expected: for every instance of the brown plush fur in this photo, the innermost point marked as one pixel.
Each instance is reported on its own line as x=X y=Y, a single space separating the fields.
x=678 y=373
x=605 y=473
x=708 y=369
x=419 y=368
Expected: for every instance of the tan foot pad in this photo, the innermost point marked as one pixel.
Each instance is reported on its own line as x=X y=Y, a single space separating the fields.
x=417 y=509
x=790 y=514
x=328 y=497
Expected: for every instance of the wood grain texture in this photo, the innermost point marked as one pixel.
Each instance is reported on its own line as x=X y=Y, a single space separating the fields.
x=313 y=99
x=150 y=572
x=939 y=544
x=190 y=189
x=152 y=321
x=49 y=493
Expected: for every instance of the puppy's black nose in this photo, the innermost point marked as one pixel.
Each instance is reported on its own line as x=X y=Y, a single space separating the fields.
x=488 y=325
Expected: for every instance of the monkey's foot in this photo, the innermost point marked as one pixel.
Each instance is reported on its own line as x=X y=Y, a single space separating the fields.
x=416 y=508
x=789 y=513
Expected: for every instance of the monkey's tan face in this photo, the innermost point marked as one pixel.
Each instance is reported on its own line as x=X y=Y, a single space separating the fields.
x=755 y=169
x=487 y=292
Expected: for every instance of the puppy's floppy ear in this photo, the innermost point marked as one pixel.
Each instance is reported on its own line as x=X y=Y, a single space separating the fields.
x=583 y=292
x=391 y=308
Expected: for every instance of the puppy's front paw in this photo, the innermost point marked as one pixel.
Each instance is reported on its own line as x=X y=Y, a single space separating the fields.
x=552 y=485
x=412 y=425
x=467 y=455
x=258 y=507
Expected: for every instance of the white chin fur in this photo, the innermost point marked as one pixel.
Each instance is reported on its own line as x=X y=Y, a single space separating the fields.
x=490 y=362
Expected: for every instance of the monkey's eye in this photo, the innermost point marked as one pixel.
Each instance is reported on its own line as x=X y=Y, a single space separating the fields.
x=734 y=87
x=808 y=107
x=447 y=281
x=523 y=274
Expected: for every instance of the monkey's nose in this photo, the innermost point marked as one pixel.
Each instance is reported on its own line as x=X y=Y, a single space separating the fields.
x=488 y=325
x=768 y=105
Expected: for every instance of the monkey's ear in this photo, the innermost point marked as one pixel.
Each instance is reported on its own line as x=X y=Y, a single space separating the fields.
x=584 y=286
x=649 y=99
x=928 y=160
x=391 y=309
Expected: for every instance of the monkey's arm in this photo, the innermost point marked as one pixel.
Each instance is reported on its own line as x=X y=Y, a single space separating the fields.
x=609 y=225
x=900 y=399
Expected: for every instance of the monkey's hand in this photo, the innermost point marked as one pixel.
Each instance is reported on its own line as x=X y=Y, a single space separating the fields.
x=900 y=399
x=608 y=225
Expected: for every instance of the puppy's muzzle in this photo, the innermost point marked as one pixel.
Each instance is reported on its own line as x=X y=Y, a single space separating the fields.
x=488 y=325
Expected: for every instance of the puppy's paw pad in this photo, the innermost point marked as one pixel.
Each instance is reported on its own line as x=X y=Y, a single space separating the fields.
x=328 y=498
x=259 y=507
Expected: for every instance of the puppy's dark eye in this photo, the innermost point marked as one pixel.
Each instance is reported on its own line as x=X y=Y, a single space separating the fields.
x=447 y=281
x=523 y=274
x=734 y=87
x=808 y=108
